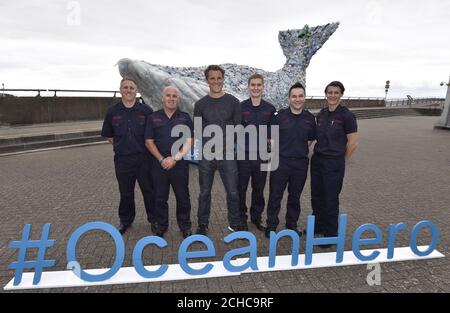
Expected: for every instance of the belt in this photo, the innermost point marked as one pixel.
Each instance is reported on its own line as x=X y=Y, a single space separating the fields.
x=323 y=156
x=294 y=158
x=129 y=154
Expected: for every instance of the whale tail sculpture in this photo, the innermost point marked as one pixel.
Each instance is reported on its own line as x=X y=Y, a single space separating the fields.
x=298 y=46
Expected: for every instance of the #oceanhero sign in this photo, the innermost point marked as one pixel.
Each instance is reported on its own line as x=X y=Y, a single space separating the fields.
x=231 y=265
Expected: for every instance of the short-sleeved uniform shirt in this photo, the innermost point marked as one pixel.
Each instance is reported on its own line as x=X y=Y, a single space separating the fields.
x=332 y=131
x=256 y=115
x=127 y=127
x=295 y=130
x=159 y=128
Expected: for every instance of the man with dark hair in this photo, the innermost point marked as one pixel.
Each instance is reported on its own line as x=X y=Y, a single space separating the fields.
x=213 y=68
x=337 y=139
x=258 y=112
x=124 y=127
x=220 y=109
x=297 y=130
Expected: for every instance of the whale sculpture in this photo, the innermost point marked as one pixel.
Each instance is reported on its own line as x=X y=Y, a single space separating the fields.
x=298 y=46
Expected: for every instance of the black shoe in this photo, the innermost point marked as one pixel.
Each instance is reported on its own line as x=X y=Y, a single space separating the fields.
x=244 y=226
x=316 y=232
x=240 y=227
x=153 y=227
x=123 y=228
x=186 y=233
x=160 y=232
x=326 y=246
x=267 y=232
x=258 y=225
x=299 y=232
x=202 y=229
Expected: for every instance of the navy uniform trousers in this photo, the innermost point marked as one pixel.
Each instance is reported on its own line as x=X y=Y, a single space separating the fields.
x=327 y=176
x=178 y=178
x=251 y=169
x=130 y=168
x=292 y=173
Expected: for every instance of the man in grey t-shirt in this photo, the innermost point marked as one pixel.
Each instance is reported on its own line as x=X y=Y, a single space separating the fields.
x=221 y=109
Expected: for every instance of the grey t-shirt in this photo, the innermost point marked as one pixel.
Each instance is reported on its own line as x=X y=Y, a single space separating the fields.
x=222 y=111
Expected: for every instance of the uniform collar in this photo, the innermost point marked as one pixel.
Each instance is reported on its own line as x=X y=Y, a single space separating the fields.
x=250 y=103
x=176 y=113
x=296 y=115
x=338 y=109
x=134 y=107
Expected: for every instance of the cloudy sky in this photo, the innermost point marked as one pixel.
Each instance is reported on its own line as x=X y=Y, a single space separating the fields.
x=76 y=44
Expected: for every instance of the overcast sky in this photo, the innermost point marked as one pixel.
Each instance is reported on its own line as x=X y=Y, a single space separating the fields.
x=76 y=44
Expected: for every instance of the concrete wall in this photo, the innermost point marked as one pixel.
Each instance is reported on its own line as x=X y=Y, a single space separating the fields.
x=34 y=110
x=429 y=111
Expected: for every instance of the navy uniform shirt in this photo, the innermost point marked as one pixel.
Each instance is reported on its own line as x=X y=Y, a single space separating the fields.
x=332 y=130
x=127 y=127
x=256 y=115
x=295 y=132
x=159 y=128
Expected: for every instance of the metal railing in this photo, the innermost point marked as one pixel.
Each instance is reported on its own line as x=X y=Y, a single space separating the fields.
x=24 y=90
x=82 y=91
x=399 y=102
x=410 y=102
x=58 y=90
x=429 y=101
x=55 y=91
x=356 y=102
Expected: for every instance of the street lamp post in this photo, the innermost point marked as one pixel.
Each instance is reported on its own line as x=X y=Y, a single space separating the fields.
x=444 y=120
x=386 y=88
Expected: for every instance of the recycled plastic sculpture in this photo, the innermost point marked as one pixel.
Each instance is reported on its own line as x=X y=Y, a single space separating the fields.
x=299 y=46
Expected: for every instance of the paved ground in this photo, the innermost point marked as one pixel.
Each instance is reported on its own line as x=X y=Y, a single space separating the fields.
x=400 y=173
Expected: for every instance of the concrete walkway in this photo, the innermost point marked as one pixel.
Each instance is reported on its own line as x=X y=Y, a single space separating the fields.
x=400 y=173
x=50 y=128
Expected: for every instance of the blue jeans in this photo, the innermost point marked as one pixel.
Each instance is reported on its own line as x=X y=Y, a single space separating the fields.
x=229 y=174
